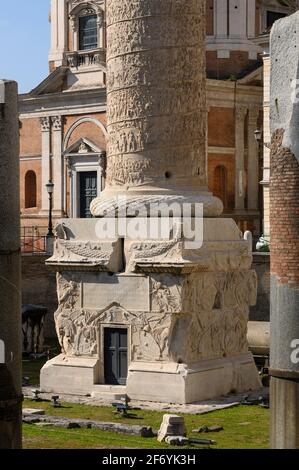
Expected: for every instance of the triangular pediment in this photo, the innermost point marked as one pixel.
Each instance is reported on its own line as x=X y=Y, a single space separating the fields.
x=82 y=146
x=54 y=83
x=254 y=78
x=115 y=313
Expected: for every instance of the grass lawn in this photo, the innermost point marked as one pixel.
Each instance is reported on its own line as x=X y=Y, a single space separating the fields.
x=31 y=369
x=245 y=427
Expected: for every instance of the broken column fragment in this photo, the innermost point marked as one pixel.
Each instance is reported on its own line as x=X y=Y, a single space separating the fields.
x=10 y=274
x=284 y=224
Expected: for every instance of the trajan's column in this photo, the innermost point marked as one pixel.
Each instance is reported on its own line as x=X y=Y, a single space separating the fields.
x=157 y=119
x=154 y=318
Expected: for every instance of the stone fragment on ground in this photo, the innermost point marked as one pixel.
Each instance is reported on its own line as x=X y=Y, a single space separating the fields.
x=177 y=440
x=208 y=429
x=33 y=411
x=75 y=423
x=205 y=442
x=172 y=425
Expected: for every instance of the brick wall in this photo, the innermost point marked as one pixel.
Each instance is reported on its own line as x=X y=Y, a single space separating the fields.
x=30 y=137
x=228 y=161
x=88 y=130
x=235 y=66
x=25 y=166
x=284 y=212
x=221 y=130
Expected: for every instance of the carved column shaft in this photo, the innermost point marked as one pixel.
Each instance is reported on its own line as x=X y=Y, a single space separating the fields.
x=156 y=108
x=156 y=93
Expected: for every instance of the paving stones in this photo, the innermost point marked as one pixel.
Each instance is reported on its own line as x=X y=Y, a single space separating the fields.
x=198 y=408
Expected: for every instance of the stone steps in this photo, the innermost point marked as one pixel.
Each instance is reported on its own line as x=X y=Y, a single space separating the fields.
x=109 y=392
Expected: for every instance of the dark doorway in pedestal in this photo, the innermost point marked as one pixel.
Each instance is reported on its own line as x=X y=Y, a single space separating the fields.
x=116 y=356
x=88 y=192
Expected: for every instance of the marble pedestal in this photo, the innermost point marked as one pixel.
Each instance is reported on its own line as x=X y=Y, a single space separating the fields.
x=185 y=313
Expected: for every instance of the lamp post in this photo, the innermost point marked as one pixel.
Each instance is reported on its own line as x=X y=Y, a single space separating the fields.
x=262 y=244
x=258 y=135
x=50 y=234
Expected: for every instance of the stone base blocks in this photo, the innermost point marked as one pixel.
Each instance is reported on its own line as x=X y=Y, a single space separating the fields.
x=185 y=313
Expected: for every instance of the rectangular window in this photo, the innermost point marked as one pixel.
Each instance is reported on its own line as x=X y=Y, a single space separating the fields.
x=273 y=16
x=88 y=32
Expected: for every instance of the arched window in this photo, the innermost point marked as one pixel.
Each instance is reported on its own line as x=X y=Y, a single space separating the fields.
x=220 y=184
x=30 y=190
x=88 y=32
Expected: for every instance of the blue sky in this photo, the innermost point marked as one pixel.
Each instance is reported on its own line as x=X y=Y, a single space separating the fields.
x=24 y=41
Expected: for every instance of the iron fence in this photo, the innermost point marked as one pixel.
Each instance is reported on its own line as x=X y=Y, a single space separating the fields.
x=33 y=240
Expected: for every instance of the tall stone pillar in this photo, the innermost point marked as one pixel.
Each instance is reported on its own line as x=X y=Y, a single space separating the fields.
x=253 y=161
x=156 y=110
x=240 y=115
x=10 y=288
x=58 y=167
x=46 y=161
x=176 y=314
x=284 y=231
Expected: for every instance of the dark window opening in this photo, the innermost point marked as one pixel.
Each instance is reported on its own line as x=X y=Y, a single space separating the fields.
x=88 y=32
x=220 y=184
x=273 y=16
x=30 y=190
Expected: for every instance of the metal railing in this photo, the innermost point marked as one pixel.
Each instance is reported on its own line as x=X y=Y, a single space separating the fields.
x=33 y=240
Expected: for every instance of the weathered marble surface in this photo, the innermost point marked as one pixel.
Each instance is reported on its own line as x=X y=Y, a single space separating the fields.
x=156 y=104
x=10 y=270
x=185 y=310
x=181 y=307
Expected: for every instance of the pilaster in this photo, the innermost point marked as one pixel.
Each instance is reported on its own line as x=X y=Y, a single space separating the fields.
x=46 y=160
x=58 y=167
x=240 y=114
x=253 y=161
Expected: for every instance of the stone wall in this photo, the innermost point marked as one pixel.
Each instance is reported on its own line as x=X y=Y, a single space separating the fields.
x=261 y=264
x=39 y=287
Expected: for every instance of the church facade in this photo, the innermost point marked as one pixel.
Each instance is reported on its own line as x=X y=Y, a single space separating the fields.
x=63 y=120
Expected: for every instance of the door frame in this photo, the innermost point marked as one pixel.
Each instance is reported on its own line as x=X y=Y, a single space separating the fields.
x=79 y=173
x=101 y=348
x=86 y=164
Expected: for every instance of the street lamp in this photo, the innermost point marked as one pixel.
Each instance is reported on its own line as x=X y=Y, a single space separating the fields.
x=50 y=190
x=258 y=135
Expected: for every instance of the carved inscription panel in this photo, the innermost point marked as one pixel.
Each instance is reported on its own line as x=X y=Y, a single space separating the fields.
x=98 y=291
